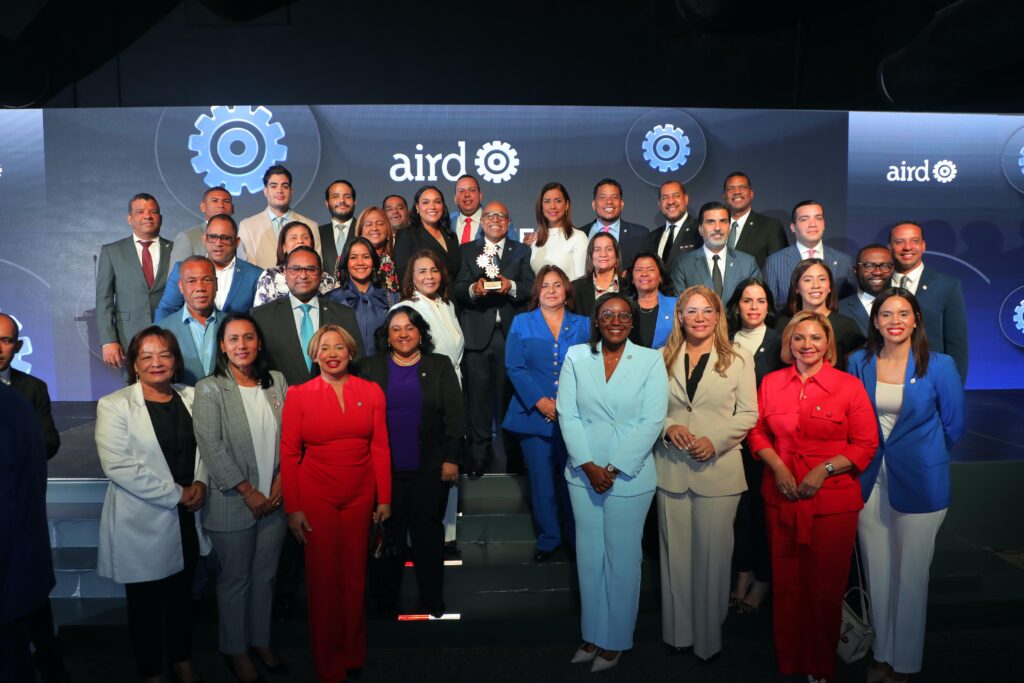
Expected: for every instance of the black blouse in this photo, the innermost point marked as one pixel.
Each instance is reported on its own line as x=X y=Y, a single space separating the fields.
x=646 y=326
x=693 y=378
x=173 y=426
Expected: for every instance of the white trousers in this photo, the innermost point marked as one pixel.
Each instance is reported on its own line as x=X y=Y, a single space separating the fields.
x=896 y=549
x=451 y=514
x=696 y=556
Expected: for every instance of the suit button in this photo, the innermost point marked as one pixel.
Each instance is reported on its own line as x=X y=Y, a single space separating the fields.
x=689 y=409
x=556 y=382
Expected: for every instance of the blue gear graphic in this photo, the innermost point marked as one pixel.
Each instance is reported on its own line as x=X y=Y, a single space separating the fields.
x=1020 y=160
x=666 y=148
x=1018 y=316
x=224 y=132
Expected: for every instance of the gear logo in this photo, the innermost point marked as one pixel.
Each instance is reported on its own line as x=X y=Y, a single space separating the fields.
x=497 y=162
x=1020 y=160
x=666 y=148
x=944 y=171
x=235 y=145
x=1018 y=316
x=19 y=362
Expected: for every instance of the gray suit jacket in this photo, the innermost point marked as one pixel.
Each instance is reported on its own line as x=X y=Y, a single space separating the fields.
x=691 y=269
x=225 y=443
x=189 y=243
x=124 y=304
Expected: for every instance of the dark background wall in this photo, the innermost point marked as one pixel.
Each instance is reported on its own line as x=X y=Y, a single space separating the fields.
x=938 y=54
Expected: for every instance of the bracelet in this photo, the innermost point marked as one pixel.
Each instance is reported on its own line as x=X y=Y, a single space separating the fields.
x=251 y=491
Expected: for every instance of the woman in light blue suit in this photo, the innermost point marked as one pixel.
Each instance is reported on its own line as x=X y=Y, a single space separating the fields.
x=536 y=346
x=651 y=287
x=920 y=405
x=612 y=400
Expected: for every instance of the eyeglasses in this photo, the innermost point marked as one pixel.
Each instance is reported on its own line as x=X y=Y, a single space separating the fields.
x=884 y=267
x=495 y=216
x=299 y=270
x=692 y=312
x=227 y=239
x=623 y=316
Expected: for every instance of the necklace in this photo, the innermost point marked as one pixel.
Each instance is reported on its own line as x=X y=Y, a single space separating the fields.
x=406 y=363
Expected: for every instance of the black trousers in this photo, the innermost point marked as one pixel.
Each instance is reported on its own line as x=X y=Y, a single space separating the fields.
x=417 y=510
x=488 y=393
x=161 y=610
x=750 y=553
x=15 y=658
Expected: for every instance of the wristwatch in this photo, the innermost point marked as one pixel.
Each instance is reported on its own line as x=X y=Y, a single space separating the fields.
x=612 y=468
x=830 y=469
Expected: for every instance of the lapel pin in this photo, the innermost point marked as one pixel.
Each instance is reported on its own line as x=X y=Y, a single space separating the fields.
x=423 y=374
x=924 y=286
x=913 y=380
x=629 y=357
x=359 y=403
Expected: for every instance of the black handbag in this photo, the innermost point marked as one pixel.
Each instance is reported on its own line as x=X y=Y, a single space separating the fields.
x=382 y=542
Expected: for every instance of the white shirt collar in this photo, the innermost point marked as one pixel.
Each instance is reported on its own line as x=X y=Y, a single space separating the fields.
x=819 y=250
x=342 y=225
x=866 y=300
x=5 y=376
x=678 y=223
x=286 y=217
x=228 y=268
x=296 y=303
x=742 y=220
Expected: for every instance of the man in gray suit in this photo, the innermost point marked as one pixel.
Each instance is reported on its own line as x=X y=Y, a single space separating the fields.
x=714 y=265
x=191 y=242
x=130 y=279
x=196 y=324
x=874 y=270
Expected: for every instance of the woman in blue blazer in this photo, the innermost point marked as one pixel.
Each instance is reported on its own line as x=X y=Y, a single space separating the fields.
x=651 y=286
x=919 y=401
x=612 y=400
x=536 y=346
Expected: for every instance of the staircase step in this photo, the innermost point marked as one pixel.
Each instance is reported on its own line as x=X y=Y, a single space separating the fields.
x=495 y=528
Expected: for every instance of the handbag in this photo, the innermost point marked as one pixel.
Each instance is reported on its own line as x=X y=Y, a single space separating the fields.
x=855 y=632
x=382 y=542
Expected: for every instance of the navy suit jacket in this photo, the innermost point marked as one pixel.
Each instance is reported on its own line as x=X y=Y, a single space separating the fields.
x=34 y=389
x=477 y=316
x=852 y=308
x=194 y=370
x=239 y=299
x=632 y=240
x=916 y=453
x=692 y=269
x=779 y=268
x=945 y=316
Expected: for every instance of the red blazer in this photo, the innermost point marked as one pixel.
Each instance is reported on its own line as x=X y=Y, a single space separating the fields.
x=333 y=454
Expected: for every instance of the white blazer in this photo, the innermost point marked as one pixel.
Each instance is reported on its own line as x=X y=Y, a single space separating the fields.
x=140 y=539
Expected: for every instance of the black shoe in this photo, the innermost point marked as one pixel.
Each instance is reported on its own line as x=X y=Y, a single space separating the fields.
x=354 y=674
x=676 y=650
x=543 y=555
x=476 y=470
x=231 y=668
x=436 y=609
x=280 y=668
x=451 y=551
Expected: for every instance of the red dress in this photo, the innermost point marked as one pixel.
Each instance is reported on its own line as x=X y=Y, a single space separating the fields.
x=811 y=540
x=334 y=466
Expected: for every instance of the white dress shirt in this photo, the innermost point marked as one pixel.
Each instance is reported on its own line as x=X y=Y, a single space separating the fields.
x=154 y=251
x=736 y=225
x=568 y=254
x=866 y=300
x=474 y=225
x=710 y=257
x=819 y=251
x=225 y=276
x=913 y=278
x=314 y=314
x=341 y=231
x=669 y=232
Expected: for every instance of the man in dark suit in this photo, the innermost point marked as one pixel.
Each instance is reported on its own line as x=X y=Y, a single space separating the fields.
x=397 y=211
x=288 y=323
x=940 y=296
x=807 y=222
x=467 y=222
x=608 y=206
x=236 y=279
x=751 y=232
x=488 y=305
x=216 y=201
x=130 y=279
x=714 y=265
x=195 y=326
x=680 y=232
x=340 y=198
x=874 y=268
x=28 y=386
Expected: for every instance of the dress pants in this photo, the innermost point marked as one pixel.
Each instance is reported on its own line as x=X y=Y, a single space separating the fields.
x=897 y=550
x=336 y=556
x=245 y=586
x=15 y=657
x=417 y=506
x=696 y=552
x=608 y=557
x=451 y=513
x=545 y=462
x=808 y=581
x=751 y=551
x=487 y=389
x=164 y=604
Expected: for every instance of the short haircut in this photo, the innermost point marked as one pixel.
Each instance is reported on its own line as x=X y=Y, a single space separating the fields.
x=471 y=177
x=595 y=331
x=276 y=169
x=408 y=286
x=225 y=217
x=710 y=206
x=284 y=233
x=260 y=366
x=346 y=338
x=195 y=258
x=218 y=188
x=135 y=346
x=801 y=204
x=538 y=284
x=303 y=249
x=671 y=182
x=385 y=200
x=145 y=197
x=899 y=223
x=868 y=247
x=380 y=336
x=803 y=316
x=609 y=181
x=793 y=301
x=327 y=191
x=14 y=324
x=741 y=174
x=590 y=252
x=732 y=309
x=665 y=286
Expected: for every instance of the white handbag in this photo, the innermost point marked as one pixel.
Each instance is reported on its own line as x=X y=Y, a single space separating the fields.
x=855 y=632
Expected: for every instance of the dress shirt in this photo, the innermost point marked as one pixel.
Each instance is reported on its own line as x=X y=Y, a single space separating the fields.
x=154 y=251
x=203 y=336
x=314 y=315
x=512 y=291
x=819 y=251
x=568 y=254
x=598 y=227
x=341 y=231
x=279 y=222
x=913 y=278
x=709 y=256
x=866 y=300
x=474 y=225
x=5 y=376
x=225 y=276
x=737 y=229
x=670 y=232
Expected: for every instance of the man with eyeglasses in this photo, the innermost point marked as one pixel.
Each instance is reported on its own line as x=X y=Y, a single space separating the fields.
x=874 y=268
x=196 y=325
x=289 y=322
x=236 y=279
x=488 y=304
x=715 y=265
x=191 y=242
x=940 y=296
x=467 y=221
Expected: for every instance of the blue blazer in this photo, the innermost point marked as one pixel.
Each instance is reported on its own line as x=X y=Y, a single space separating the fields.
x=194 y=370
x=533 y=359
x=779 y=268
x=457 y=225
x=945 y=316
x=851 y=307
x=614 y=422
x=666 y=314
x=916 y=453
x=239 y=299
x=692 y=269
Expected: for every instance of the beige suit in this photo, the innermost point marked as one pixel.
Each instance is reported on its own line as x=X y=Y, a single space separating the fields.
x=259 y=241
x=697 y=500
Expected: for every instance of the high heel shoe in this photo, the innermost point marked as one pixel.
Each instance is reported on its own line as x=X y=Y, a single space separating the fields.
x=583 y=655
x=602 y=664
x=280 y=668
x=234 y=672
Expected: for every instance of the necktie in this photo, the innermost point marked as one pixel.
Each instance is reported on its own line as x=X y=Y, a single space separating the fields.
x=606 y=228
x=147 y=263
x=810 y=253
x=467 y=231
x=667 y=251
x=306 y=333
x=278 y=224
x=339 y=243
x=716 y=277
x=904 y=281
x=733 y=232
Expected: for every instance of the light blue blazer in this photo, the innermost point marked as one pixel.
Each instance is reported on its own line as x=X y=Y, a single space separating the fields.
x=931 y=420
x=194 y=370
x=666 y=314
x=614 y=422
x=533 y=359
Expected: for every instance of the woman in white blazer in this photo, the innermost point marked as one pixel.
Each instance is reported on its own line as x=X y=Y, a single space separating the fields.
x=712 y=405
x=150 y=538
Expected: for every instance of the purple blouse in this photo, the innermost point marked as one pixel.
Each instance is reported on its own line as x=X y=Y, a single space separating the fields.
x=404 y=409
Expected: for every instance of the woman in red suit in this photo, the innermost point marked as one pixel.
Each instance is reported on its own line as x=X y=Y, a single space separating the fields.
x=335 y=463
x=815 y=431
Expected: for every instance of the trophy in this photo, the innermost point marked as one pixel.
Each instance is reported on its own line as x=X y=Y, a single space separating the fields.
x=488 y=260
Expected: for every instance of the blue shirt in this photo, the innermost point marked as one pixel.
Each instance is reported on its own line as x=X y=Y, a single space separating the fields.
x=203 y=336
x=598 y=227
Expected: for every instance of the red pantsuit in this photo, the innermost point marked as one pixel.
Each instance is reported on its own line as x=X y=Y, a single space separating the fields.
x=334 y=465
x=811 y=539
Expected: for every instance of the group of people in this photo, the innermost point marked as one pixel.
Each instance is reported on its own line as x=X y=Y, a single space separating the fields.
x=303 y=382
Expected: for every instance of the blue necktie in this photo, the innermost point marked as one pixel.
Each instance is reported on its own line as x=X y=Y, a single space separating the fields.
x=306 y=333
